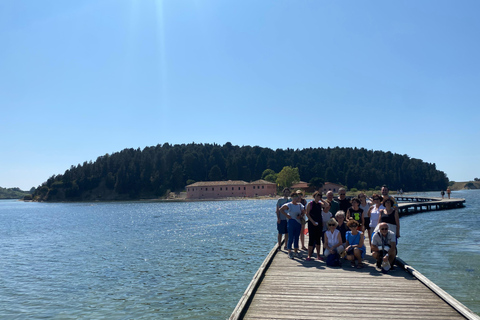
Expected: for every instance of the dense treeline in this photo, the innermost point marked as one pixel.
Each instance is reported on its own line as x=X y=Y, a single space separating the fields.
x=153 y=171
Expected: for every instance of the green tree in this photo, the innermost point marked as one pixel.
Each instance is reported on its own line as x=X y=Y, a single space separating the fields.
x=316 y=183
x=287 y=177
x=215 y=173
x=267 y=172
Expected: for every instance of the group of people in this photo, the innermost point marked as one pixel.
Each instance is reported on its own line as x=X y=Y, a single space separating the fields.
x=340 y=226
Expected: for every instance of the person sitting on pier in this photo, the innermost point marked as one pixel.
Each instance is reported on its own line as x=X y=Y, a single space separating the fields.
x=384 y=245
x=315 y=224
x=293 y=211
x=355 y=247
x=281 y=219
x=333 y=239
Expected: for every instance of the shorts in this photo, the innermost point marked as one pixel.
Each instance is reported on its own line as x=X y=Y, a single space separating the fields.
x=367 y=223
x=282 y=227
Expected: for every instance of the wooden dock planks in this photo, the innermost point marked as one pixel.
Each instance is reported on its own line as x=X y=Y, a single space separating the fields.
x=300 y=289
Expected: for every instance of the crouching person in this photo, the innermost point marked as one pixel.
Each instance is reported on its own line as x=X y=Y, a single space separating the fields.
x=333 y=243
x=384 y=246
x=355 y=244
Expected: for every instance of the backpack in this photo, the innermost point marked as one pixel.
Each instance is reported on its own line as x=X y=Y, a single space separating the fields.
x=333 y=260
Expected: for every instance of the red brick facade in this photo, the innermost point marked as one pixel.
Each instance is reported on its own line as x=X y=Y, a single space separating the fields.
x=230 y=189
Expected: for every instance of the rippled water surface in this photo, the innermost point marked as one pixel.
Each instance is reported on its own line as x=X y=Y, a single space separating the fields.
x=145 y=260
x=130 y=260
x=445 y=247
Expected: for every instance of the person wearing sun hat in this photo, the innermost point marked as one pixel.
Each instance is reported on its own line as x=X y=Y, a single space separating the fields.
x=293 y=211
x=302 y=220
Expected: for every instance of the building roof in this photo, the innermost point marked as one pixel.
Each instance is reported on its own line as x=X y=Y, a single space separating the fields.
x=301 y=184
x=217 y=183
x=228 y=183
x=337 y=184
x=261 y=181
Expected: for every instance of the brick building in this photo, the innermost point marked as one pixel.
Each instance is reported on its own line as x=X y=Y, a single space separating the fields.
x=230 y=189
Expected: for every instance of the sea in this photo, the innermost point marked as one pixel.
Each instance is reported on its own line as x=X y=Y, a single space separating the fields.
x=185 y=260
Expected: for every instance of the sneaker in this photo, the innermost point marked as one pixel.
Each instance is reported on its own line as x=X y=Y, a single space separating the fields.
x=290 y=255
x=295 y=254
x=352 y=264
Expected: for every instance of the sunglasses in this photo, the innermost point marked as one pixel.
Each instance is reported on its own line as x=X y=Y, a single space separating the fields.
x=354 y=226
x=331 y=225
x=383 y=228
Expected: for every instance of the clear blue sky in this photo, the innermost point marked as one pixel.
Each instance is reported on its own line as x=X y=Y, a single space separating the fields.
x=79 y=79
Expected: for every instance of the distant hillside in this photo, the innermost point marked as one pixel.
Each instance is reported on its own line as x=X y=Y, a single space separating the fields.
x=466 y=185
x=155 y=171
x=12 y=193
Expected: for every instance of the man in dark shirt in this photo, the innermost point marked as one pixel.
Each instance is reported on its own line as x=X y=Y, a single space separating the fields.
x=334 y=206
x=342 y=200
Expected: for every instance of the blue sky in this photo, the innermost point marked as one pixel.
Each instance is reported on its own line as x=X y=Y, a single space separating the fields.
x=79 y=79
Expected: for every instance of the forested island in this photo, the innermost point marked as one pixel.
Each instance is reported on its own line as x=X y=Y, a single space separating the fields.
x=155 y=171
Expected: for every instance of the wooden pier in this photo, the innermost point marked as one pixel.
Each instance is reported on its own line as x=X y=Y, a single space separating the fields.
x=413 y=204
x=284 y=288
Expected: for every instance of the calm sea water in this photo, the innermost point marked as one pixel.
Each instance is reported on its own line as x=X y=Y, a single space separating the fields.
x=144 y=260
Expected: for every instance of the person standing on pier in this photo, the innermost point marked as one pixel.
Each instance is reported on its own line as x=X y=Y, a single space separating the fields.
x=365 y=205
x=334 y=205
x=326 y=215
x=385 y=195
x=390 y=216
x=374 y=211
x=315 y=224
x=281 y=219
x=356 y=213
x=448 y=192
x=384 y=245
x=342 y=225
x=293 y=211
x=343 y=202
x=302 y=220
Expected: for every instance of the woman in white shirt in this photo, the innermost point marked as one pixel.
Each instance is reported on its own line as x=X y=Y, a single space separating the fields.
x=333 y=239
x=374 y=211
